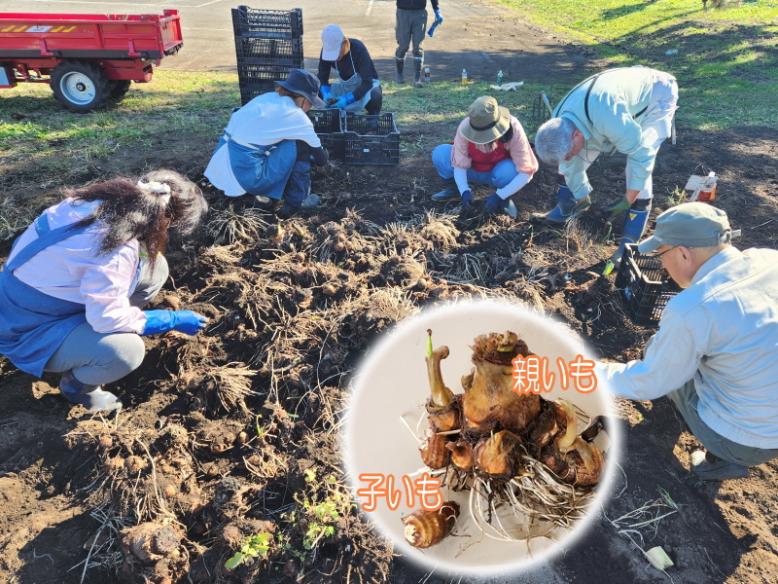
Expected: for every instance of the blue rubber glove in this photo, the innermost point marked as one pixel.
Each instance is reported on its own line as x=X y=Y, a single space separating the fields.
x=493 y=204
x=438 y=17
x=162 y=321
x=325 y=91
x=343 y=101
x=467 y=199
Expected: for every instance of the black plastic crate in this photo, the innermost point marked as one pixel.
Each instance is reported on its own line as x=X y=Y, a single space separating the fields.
x=380 y=125
x=281 y=51
x=249 y=71
x=327 y=121
x=645 y=286
x=335 y=144
x=272 y=24
x=329 y=124
x=372 y=139
x=250 y=90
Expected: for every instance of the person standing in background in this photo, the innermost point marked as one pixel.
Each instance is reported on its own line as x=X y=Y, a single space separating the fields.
x=411 y=26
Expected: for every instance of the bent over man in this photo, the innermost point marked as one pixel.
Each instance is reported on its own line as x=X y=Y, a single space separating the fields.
x=627 y=109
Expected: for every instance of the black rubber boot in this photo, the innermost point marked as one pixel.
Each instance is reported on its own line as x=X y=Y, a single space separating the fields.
x=418 y=63
x=399 y=64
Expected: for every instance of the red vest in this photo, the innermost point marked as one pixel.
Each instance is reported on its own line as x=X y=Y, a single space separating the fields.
x=486 y=161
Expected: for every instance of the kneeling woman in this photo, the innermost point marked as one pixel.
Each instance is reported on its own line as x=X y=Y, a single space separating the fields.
x=490 y=148
x=268 y=146
x=74 y=284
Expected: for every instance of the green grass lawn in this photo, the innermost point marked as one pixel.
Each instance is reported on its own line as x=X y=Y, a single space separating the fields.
x=726 y=60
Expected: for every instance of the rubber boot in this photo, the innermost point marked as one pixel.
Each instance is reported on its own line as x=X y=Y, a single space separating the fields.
x=399 y=64
x=635 y=222
x=567 y=208
x=418 y=63
x=448 y=193
x=93 y=397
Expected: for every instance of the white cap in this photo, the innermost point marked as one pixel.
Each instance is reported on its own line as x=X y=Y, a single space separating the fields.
x=331 y=39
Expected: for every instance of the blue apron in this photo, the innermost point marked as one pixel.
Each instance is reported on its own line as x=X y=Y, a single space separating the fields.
x=261 y=170
x=33 y=325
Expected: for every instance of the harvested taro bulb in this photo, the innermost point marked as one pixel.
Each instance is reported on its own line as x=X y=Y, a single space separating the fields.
x=497 y=455
x=461 y=454
x=582 y=465
x=443 y=405
x=572 y=459
x=551 y=421
x=434 y=452
x=426 y=528
x=489 y=401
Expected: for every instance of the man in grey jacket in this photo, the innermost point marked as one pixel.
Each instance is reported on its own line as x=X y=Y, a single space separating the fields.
x=410 y=27
x=715 y=354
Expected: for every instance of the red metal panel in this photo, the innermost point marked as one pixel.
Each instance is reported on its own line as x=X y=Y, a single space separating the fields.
x=131 y=35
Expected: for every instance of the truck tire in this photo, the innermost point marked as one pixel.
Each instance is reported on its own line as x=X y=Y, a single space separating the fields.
x=119 y=89
x=79 y=85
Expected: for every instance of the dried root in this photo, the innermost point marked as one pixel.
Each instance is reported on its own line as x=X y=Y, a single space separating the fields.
x=227 y=226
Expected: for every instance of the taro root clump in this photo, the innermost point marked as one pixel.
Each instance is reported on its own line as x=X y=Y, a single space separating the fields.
x=506 y=448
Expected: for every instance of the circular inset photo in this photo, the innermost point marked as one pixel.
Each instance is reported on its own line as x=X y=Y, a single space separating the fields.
x=477 y=438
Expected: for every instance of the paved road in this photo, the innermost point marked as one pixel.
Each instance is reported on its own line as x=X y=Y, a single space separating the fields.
x=475 y=34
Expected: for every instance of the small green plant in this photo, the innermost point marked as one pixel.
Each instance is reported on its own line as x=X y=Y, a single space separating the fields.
x=255 y=546
x=322 y=516
x=677 y=197
x=318 y=516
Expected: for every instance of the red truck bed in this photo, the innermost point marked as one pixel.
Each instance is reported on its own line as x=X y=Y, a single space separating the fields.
x=89 y=36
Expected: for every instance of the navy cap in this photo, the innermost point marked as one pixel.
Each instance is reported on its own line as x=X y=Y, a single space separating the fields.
x=304 y=83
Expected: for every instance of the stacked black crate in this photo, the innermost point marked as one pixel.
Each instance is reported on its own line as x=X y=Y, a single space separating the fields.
x=268 y=44
x=371 y=139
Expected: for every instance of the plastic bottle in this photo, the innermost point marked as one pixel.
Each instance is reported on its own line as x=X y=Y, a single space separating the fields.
x=464 y=76
x=427 y=74
x=500 y=77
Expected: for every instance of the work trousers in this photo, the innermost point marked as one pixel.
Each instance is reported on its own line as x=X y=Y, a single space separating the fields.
x=411 y=26
x=99 y=358
x=686 y=400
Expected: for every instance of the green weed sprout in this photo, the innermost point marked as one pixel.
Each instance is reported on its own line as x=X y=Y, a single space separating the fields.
x=255 y=546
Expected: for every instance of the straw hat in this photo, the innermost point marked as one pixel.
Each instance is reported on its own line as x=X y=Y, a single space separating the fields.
x=488 y=121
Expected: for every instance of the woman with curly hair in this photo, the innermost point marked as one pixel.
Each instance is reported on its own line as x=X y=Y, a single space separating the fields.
x=73 y=287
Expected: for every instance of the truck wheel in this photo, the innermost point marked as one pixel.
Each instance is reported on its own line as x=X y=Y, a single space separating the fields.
x=119 y=88
x=79 y=86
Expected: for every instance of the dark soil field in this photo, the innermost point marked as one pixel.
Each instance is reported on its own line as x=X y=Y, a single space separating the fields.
x=234 y=432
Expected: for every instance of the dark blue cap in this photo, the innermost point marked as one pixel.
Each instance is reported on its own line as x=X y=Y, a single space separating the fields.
x=304 y=83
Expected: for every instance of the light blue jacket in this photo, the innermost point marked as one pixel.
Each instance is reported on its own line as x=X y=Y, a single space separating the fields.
x=722 y=332
x=617 y=102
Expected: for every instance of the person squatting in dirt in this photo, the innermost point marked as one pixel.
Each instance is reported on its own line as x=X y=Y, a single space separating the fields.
x=73 y=288
x=410 y=27
x=490 y=148
x=359 y=87
x=268 y=146
x=715 y=352
x=628 y=109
